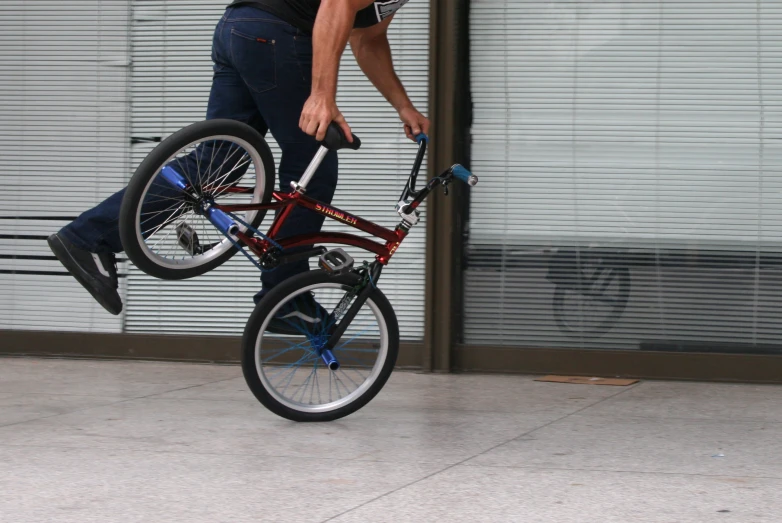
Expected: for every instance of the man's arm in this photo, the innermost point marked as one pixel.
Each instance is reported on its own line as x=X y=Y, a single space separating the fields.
x=373 y=53
x=329 y=37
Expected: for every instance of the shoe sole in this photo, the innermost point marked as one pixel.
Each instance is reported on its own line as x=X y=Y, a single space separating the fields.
x=81 y=276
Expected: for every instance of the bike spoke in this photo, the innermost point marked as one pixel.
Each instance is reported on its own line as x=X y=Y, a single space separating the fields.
x=330 y=377
x=351 y=339
x=151 y=215
x=155 y=198
x=303 y=386
x=226 y=175
x=216 y=154
x=166 y=236
x=172 y=219
x=348 y=377
x=209 y=184
x=197 y=154
x=186 y=172
x=317 y=384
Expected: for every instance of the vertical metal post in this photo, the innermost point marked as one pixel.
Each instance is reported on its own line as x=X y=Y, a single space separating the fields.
x=450 y=112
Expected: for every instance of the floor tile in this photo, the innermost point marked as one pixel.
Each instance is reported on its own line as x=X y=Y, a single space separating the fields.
x=647 y=445
x=92 y=485
x=234 y=427
x=124 y=379
x=719 y=401
x=490 y=393
x=485 y=494
x=25 y=407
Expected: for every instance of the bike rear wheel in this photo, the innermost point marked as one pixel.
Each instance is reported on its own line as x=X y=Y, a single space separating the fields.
x=163 y=228
x=286 y=370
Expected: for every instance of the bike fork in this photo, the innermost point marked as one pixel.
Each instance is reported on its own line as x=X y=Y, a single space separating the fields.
x=373 y=274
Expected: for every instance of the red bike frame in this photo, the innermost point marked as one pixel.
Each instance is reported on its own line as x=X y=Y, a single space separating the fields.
x=285 y=202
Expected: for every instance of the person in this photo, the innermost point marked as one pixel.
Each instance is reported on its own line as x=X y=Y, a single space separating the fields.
x=276 y=65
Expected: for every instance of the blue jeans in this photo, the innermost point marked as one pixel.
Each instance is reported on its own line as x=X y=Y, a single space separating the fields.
x=262 y=77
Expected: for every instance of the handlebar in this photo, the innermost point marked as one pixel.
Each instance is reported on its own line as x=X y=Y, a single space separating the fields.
x=461 y=173
x=408 y=210
x=336 y=140
x=457 y=171
x=410 y=191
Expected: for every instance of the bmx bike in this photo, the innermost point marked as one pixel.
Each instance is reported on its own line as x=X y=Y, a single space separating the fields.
x=320 y=345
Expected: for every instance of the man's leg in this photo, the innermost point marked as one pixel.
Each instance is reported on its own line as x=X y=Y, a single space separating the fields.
x=295 y=158
x=86 y=246
x=97 y=230
x=280 y=104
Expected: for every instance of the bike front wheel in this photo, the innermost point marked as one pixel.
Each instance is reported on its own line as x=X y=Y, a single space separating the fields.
x=283 y=356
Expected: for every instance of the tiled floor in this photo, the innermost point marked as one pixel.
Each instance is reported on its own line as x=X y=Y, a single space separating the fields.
x=84 y=441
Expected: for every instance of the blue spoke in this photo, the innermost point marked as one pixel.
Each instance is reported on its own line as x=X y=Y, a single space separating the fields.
x=291 y=345
x=306 y=357
x=300 y=329
x=293 y=367
x=303 y=386
x=284 y=351
x=290 y=378
x=351 y=339
x=286 y=340
x=362 y=363
x=317 y=382
x=363 y=378
x=351 y=379
x=337 y=381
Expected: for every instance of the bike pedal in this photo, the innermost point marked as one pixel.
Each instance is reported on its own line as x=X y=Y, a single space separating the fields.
x=336 y=262
x=188 y=239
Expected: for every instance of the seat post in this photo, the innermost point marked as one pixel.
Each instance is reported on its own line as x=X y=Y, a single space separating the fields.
x=301 y=185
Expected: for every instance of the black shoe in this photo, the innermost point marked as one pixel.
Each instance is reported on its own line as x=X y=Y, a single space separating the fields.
x=301 y=316
x=96 y=272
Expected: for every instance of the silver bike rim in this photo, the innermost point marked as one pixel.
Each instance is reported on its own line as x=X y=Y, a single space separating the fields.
x=382 y=354
x=225 y=244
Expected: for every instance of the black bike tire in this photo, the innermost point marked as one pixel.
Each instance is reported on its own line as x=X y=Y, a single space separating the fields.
x=150 y=167
x=264 y=308
x=558 y=305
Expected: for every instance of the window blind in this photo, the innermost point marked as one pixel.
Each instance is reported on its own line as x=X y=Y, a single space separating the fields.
x=171 y=77
x=637 y=139
x=64 y=141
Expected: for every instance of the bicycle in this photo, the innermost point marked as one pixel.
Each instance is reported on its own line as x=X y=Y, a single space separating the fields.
x=318 y=346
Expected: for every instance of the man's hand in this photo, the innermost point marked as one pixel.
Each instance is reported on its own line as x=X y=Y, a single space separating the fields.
x=319 y=111
x=329 y=37
x=415 y=122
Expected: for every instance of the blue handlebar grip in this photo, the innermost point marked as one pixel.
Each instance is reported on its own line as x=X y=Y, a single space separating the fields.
x=421 y=138
x=464 y=175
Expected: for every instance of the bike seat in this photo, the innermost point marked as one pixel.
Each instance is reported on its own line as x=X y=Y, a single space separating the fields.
x=336 y=140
